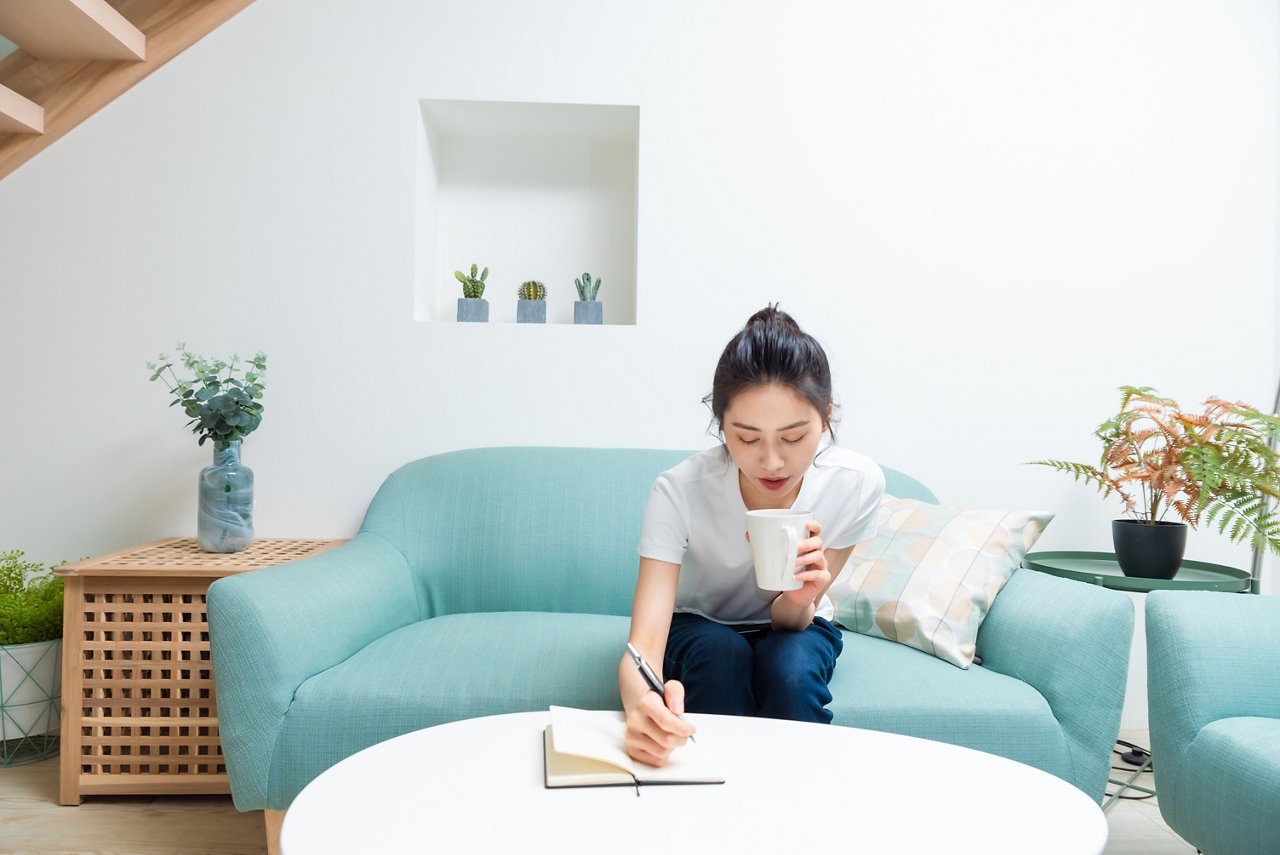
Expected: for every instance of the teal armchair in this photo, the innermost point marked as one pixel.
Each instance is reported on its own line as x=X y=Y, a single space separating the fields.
x=1213 y=688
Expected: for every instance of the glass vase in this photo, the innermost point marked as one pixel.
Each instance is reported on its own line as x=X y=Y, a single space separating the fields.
x=225 y=521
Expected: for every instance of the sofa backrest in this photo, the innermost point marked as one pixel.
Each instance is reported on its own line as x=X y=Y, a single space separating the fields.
x=528 y=529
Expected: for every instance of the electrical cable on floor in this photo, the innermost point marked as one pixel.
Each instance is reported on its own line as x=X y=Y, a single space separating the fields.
x=1135 y=756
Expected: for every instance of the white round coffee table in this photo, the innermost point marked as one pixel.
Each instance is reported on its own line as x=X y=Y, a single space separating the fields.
x=477 y=786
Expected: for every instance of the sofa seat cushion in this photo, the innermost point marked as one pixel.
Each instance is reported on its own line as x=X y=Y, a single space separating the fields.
x=881 y=685
x=1231 y=768
x=442 y=670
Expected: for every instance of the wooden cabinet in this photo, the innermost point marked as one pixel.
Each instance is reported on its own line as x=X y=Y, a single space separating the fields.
x=138 y=710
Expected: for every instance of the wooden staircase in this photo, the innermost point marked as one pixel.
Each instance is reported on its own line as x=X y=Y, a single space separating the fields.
x=77 y=56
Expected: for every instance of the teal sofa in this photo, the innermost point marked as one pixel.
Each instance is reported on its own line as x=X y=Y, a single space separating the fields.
x=499 y=580
x=1213 y=693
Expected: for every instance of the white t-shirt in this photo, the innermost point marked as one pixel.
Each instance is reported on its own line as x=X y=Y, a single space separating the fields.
x=696 y=518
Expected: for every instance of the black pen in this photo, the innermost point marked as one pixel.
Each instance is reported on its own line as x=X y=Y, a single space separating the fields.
x=649 y=677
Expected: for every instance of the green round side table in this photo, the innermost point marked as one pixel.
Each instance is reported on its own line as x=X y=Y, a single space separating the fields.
x=1100 y=568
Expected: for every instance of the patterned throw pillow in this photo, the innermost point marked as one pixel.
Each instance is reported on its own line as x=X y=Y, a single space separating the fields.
x=930 y=574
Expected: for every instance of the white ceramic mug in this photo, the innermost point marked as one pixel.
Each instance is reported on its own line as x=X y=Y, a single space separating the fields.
x=775 y=546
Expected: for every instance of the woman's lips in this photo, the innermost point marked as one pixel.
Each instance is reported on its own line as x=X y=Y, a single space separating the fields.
x=774 y=483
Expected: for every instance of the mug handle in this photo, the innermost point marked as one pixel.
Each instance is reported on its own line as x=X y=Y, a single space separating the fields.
x=789 y=558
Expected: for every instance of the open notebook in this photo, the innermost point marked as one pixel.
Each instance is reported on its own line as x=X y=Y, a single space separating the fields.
x=587 y=748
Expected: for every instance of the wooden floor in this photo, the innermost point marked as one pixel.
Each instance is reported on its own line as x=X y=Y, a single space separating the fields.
x=31 y=821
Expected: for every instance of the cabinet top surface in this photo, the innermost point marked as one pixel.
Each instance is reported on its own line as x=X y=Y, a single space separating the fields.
x=180 y=556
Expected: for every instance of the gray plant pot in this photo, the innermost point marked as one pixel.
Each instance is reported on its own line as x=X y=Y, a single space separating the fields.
x=588 y=312
x=531 y=311
x=473 y=310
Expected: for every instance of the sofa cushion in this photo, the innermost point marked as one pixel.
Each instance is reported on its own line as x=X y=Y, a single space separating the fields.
x=462 y=666
x=881 y=685
x=929 y=576
x=445 y=669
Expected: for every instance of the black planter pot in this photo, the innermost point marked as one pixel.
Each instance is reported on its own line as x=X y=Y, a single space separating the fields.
x=1149 y=550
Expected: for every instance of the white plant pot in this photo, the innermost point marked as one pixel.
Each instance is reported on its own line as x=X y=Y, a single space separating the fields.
x=30 y=689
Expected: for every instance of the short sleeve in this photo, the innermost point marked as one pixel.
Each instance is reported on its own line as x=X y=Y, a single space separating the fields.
x=665 y=534
x=864 y=510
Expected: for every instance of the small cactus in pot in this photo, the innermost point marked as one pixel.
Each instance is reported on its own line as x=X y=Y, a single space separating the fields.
x=586 y=309
x=532 y=308
x=587 y=289
x=532 y=290
x=473 y=285
x=471 y=305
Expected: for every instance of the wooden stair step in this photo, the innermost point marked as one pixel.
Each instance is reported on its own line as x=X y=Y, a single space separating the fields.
x=18 y=115
x=71 y=29
x=71 y=90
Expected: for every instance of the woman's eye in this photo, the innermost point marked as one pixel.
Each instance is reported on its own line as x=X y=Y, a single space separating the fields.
x=745 y=441
x=793 y=441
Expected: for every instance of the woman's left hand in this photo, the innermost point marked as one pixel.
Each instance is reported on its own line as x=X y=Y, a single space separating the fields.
x=811 y=567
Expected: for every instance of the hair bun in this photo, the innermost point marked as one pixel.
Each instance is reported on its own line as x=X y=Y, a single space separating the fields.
x=771 y=315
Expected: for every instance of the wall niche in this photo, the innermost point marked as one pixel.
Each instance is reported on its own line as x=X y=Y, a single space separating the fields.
x=532 y=191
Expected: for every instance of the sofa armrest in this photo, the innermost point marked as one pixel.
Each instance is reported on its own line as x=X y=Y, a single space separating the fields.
x=1071 y=642
x=272 y=629
x=1210 y=656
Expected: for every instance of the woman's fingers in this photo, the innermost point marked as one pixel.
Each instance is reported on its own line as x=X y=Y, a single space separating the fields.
x=674 y=690
x=810 y=550
x=653 y=728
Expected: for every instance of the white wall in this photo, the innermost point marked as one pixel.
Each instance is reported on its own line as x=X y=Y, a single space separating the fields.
x=992 y=213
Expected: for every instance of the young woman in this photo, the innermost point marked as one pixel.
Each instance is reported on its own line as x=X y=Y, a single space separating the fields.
x=724 y=645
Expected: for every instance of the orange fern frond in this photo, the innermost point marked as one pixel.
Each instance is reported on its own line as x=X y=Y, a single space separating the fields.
x=1217 y=404
x=1141 y=436
x=1184 y=512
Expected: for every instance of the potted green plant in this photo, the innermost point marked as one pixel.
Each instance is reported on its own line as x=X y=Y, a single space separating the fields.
x=223 y=401
x=532 y=306
x=30 y=660
x=586 y=309
x=1213 y=466
x=472 y=307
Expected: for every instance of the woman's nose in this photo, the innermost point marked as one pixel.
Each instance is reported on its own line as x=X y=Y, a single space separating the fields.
x=772 y=457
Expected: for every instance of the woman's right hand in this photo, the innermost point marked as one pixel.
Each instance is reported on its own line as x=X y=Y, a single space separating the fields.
x=654 y=730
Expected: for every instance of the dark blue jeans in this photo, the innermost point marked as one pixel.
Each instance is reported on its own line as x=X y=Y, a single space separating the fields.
x=753 y=670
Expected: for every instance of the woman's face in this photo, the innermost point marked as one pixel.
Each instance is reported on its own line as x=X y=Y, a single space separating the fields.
x=772 y=434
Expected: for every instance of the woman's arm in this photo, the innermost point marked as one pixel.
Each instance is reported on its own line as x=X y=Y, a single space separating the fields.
x=654 y=730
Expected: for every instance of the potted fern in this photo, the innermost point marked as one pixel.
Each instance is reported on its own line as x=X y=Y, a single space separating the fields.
x=1213 y=466
x=30 y=660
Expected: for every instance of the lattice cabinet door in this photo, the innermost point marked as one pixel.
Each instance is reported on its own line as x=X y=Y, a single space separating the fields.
x=143 y=688
x=139 y=714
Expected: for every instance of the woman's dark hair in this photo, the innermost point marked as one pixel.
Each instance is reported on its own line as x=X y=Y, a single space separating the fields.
x=772 y=348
